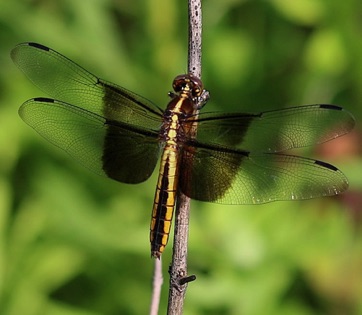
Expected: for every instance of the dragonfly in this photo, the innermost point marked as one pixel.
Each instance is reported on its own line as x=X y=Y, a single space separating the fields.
x=231 y=158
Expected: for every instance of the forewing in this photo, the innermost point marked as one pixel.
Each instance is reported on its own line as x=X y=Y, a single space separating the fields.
x=275 y=131
x=64 y=80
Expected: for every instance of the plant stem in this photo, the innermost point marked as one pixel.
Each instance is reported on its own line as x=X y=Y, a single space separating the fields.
x=178 y=269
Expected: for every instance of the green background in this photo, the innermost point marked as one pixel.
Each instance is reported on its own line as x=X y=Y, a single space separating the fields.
x=72 y=243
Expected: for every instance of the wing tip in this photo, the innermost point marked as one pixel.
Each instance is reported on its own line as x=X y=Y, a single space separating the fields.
x=330 y=106
x=39 y=46
x=326 y=165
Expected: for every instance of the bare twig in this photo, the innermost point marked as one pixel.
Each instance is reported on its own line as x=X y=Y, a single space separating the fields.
x=157 y=284
x=195 y=29
x=178 y=270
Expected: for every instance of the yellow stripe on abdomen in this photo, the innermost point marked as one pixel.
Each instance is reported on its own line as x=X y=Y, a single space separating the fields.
x=164 y=203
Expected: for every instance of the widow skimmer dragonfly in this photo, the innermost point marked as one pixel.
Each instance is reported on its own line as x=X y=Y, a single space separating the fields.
x=234 y=158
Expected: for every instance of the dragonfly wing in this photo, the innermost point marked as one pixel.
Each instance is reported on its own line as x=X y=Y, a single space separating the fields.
x=275 y=131
x=104 y=146
x=64 y=80
x=220 y=175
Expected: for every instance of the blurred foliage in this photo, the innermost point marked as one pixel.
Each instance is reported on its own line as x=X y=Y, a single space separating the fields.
x=72 y=243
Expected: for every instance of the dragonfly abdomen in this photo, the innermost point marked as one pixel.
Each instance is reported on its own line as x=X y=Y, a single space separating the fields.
x=165 y=198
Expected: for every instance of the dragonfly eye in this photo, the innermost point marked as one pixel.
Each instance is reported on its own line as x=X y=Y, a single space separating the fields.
x=188 y=83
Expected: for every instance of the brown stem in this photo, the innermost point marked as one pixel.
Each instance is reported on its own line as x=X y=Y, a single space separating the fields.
x=178 y=269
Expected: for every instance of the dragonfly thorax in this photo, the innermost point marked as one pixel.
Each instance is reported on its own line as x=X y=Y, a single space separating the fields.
x=172 y=130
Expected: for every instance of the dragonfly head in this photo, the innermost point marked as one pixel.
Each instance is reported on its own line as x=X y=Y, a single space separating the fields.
x=188 y=84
